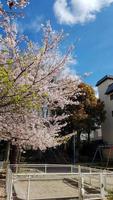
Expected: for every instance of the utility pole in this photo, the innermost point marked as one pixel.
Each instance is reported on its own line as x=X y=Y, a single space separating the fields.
x=74 y=149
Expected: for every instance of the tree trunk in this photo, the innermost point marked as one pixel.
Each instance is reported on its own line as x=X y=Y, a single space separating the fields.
x=88 y=137
x=78 y=146
x=19 y=157
x=14 y=158
x=14 y=154
x=78 y=138
x=7 y=154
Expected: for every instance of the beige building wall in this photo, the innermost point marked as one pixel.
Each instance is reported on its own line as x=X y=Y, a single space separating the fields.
x=107 y=126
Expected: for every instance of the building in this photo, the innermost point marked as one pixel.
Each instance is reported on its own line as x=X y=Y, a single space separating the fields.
x=94 y=135
x=105 y=89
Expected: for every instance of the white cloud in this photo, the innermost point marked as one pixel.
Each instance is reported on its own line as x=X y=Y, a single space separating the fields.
x=33 y=26
x=78 y=11
x=36 y=24
x=87 y=74
x=68 y=70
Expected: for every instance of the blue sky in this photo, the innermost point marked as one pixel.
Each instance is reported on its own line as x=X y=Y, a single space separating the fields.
x=88 y=21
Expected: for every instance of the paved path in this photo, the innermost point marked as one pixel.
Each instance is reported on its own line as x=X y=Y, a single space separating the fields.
x=44 y=189
x=48 y=186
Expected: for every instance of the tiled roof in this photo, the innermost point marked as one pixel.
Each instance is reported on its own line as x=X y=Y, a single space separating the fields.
x=109 y=89
x=104 y=79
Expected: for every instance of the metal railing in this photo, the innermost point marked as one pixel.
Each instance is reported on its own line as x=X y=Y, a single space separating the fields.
x=9 y=184
x=88 y=183
x=52 y=168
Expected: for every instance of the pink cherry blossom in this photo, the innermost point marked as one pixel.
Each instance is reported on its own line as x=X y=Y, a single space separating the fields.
x=31 y=80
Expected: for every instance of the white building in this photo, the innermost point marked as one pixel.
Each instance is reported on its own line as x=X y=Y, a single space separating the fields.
x=105 y=88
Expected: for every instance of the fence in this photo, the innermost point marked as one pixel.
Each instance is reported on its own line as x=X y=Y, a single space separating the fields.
x=50 y=168
x=73 y=181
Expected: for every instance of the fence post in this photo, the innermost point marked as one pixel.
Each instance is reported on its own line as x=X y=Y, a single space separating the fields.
x=105 y=181
x=81 y=187
x=45 y=168
x=79 y=169
x=90 y=175
x=28 y=188
x=71 y=168
x=102 y=189
x=11 y=188
x=9 y=183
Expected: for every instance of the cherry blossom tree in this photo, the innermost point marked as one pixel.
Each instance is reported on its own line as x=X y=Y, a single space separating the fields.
x=30 y=79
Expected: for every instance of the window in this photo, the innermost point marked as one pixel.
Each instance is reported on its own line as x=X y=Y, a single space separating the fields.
x=112 y=113
x=111 y=97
